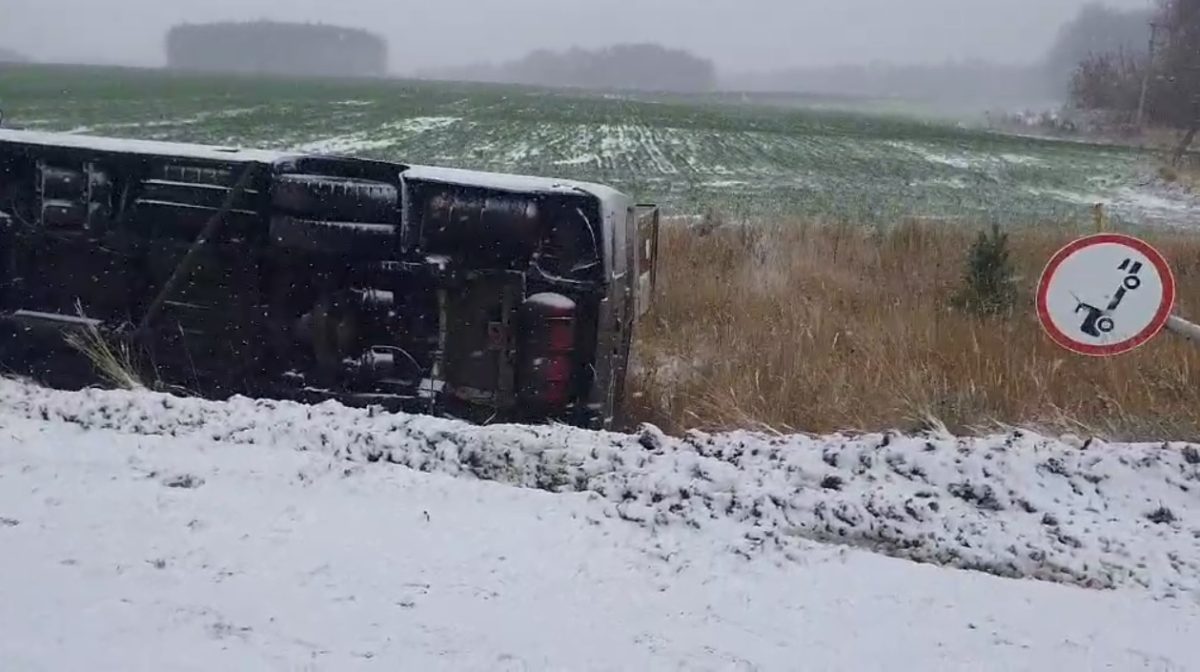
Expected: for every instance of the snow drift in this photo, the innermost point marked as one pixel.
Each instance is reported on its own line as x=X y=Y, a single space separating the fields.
x=1094 y=514
x=131 y=552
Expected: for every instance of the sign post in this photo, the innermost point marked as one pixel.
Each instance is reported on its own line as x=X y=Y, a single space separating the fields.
x=1182 y=327
x=1105 y=295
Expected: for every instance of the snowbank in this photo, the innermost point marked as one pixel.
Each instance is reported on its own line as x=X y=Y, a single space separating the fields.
x=128 y=552
x=1019 y=505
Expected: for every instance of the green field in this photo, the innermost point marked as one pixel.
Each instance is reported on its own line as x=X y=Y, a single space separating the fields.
x=744 y=159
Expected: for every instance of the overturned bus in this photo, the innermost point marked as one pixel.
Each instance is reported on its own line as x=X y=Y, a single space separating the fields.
x=218 y=271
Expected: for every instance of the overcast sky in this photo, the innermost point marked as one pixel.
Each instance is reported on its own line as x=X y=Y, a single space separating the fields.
x=737 y=34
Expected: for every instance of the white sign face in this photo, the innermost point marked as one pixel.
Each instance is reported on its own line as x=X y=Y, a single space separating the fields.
x=1105 y=295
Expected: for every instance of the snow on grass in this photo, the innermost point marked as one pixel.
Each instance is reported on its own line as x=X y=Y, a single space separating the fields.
x=519 y=152
x=424 y=124
x=1020 y=505
x=582 y=159
x=1067 y=196
x=384 y=137
x=1023 y=159
x=1144 y=204
x=129 y=551
x=1160 y=202
x=201 y=118
x=953 y=183
x=350 y=143
x=931 y=156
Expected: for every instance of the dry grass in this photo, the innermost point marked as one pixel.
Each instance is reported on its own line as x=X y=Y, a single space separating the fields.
x=819 y=328
x=113 y=363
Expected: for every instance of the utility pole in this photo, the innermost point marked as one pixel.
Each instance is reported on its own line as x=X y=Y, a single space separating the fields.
x=1149 y=67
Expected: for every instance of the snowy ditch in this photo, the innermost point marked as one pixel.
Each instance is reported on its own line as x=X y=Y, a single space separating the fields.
x=1088 y=513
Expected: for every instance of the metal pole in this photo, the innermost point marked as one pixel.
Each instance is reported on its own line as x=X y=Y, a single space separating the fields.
x=1182 y=327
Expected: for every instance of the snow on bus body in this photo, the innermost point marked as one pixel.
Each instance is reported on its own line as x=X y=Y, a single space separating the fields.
x=45 y=139
x=511 y=182
x=451 y=176
x=612 y=202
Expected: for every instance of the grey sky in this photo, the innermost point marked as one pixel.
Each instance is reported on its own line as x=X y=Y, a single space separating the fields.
x=738 y=34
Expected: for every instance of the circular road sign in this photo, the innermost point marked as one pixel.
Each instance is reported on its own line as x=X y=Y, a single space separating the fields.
x=1105 y=295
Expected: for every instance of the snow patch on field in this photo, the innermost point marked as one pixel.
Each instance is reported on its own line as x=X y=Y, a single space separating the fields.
x=1137 y=204
x=202 y=117
x=952 y=182
x=1067 y=196
x=1145 y=200
x=344 y=144
x=929 y=155
x=1023 y=160
x=423 y=124
x=632 y=145
x=1019 y=505
x=582 y=159
x=389 y=135
x=520 y=152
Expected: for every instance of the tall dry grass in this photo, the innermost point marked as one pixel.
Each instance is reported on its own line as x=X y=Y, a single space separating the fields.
x=825 y=327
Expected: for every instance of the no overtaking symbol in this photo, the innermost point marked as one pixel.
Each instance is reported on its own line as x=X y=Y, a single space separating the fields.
x=1105 y=295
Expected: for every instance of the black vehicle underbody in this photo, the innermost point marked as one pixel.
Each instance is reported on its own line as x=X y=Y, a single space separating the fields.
x=306 y=278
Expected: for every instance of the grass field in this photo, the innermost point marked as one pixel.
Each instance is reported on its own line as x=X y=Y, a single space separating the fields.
x=805 y=326
x=688 y=154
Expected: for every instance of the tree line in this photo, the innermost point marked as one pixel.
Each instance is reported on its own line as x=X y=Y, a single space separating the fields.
x=10 y=56
x=639 y=67
x=970 y=83
x=267 y=47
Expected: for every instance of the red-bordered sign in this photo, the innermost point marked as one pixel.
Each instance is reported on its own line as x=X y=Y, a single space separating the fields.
x=1105 y=295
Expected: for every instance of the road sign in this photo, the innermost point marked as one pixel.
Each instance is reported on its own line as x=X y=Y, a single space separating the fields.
x=1105 y=295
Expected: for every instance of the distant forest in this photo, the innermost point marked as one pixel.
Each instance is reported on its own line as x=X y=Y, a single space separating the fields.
x=9 y=56
x=1095 y=29
x=969 y=86
x=638 y=67
x=266 y=47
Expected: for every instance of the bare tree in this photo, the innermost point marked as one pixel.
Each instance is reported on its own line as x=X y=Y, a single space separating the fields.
x=1162 y=87
x=1095 y=31
x=1108 y=81
x=1177 y=92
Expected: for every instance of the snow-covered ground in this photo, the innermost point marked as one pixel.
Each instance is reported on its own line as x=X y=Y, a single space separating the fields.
x=141 y=531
